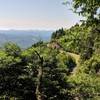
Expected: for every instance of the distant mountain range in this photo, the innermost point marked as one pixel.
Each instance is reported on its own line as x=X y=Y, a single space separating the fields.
x=24 y=38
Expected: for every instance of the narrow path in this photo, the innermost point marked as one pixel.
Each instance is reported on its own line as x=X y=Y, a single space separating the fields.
x=77 y=58
x=56 y=45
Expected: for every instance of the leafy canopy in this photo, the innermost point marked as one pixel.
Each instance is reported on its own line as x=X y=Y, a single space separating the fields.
x=87 y=8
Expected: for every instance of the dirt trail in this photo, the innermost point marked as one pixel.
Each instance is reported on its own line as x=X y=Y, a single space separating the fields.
x=56 y=45
x=77 y=58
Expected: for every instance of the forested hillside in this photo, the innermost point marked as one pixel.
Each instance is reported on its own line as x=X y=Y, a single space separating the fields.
x=66 y=68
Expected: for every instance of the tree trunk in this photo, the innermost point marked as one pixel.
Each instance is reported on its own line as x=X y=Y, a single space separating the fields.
x=39 y=78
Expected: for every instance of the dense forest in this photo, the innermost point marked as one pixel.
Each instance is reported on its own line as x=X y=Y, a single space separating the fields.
x=66 y=68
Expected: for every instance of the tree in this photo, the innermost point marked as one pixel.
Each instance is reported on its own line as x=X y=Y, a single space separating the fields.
x=59 y=33
x=87 y=8
x=12 y=49
x=15 y=78
x=39 y=77
x=90 y=9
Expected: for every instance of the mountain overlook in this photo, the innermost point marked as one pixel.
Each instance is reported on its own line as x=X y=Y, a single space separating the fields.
x=66 y=67
x=50 y=65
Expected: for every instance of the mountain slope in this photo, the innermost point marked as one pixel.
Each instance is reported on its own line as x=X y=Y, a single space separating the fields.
x=24 y=38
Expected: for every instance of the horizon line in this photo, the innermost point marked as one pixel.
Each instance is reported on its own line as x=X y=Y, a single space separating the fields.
x=37 y=29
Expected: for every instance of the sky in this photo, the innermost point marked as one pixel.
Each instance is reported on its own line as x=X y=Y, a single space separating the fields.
x=36 y=14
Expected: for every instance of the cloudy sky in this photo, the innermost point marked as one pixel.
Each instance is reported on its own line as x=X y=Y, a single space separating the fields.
x=36 y=14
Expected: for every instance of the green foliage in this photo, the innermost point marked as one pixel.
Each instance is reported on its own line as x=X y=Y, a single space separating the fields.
x=54 y=83
x=52 y=68
x=92 y=66
x=85 y=86
x=58 y=34
x=14 y=75
x=87 y=8
x=86 y=82
x=63 y=76
x=74 y=38
x=12 y=49
x=38 y=44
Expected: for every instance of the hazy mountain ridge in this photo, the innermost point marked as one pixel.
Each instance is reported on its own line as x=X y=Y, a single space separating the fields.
x=24 y=38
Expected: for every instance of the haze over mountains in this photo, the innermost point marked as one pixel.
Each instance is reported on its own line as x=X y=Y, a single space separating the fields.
x=24 y=38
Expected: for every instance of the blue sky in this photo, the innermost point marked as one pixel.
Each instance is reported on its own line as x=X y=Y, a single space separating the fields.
x=36 y=14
